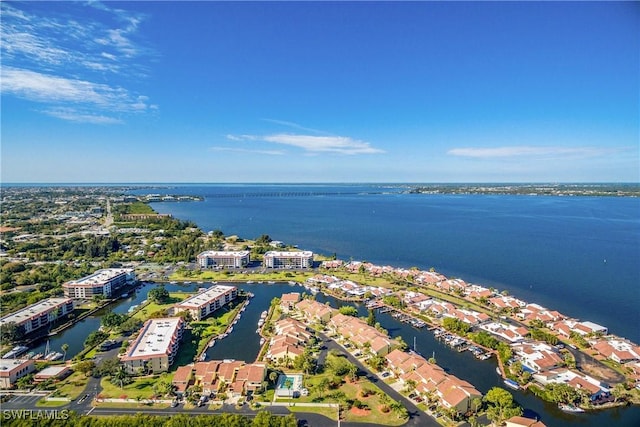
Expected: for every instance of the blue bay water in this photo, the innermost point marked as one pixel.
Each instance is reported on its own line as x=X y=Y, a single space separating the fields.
x=579 y=255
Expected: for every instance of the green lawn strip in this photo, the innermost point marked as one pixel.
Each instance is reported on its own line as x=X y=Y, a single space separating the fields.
x=152 y=307
x=72 y=386
x=140 y=387
x=461 y=302
x=50 y=404
x=229 y=276
x=330 y=413
x=143 y=404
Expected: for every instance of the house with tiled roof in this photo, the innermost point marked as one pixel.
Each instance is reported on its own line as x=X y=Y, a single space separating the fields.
x=523 y=422
x=589 y=385
x=182 y=379
x=537 y=356
x=457 y=394
x=289 y=301
x=314 y=311
x=617 y=349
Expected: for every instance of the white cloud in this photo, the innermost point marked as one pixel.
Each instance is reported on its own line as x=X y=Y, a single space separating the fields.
x=245 y=150
x=54 y=89
x=324 y=144
x=72 y=115
x=524 y=150
x=293 y=125
x=239 y=138
x=61 y=60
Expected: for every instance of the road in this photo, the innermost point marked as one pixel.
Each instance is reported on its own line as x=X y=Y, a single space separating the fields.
x=417 y=417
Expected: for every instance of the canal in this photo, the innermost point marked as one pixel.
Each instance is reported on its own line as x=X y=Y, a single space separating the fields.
x=244 y=344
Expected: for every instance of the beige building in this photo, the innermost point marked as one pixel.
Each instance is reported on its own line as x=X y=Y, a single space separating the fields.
x=13 y=369
x=204 y=303
x=156 y=346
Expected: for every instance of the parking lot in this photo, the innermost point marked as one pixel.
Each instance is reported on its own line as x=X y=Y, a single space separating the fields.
x=21 y=401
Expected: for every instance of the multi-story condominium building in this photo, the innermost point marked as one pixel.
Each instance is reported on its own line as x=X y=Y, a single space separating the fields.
x=156 y=346
x=277 y=259
x=40 y=314
x=103 y=282
x=12 y=369
x=204 y=303
x=223 y=259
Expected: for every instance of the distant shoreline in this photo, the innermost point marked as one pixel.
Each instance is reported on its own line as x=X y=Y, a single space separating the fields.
x=624 y=189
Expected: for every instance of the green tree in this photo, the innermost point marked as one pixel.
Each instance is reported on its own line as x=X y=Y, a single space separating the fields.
x=371 y=318
x=158 y=295
x=501 y=405
x=348 y=310
x=10 y=332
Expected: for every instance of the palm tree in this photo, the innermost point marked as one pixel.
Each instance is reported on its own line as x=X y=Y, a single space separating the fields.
x=273 y=376
x=65 y=348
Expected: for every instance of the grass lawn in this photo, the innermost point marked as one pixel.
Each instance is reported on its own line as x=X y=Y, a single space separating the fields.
x=142 y=387
x=351 y=391
x=330 y=413
x=47 y=404
x=276 y=276
x=142 y=404
x=72 y=386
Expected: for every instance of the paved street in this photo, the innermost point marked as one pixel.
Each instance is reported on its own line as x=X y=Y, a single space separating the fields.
x=416 y=417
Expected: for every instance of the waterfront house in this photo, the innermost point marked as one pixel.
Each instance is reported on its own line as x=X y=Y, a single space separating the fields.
x=314 y=311
x=523 y=422
x=593 y=388
x=537 y=356
x=289 y=301
x=457 y=394
x=617 y=349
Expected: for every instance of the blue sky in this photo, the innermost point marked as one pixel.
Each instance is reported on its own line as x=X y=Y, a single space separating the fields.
x=320 y=92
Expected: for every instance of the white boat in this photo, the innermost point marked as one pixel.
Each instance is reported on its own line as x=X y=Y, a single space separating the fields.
x=569 y=408
x=264 y=314
x=511 y=384
x=212 y=343
x=262 y=340
x=54 y=355
x=15 y=352
x=125 y=295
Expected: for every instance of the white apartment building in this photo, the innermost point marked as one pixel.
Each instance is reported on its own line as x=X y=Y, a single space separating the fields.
x=103 y=282
x=204 y=303
x=223 y=259
x=40 y=314
x=156 y=346
x=278 y=259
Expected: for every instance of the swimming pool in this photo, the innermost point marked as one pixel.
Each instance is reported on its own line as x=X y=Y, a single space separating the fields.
x=289 y=385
